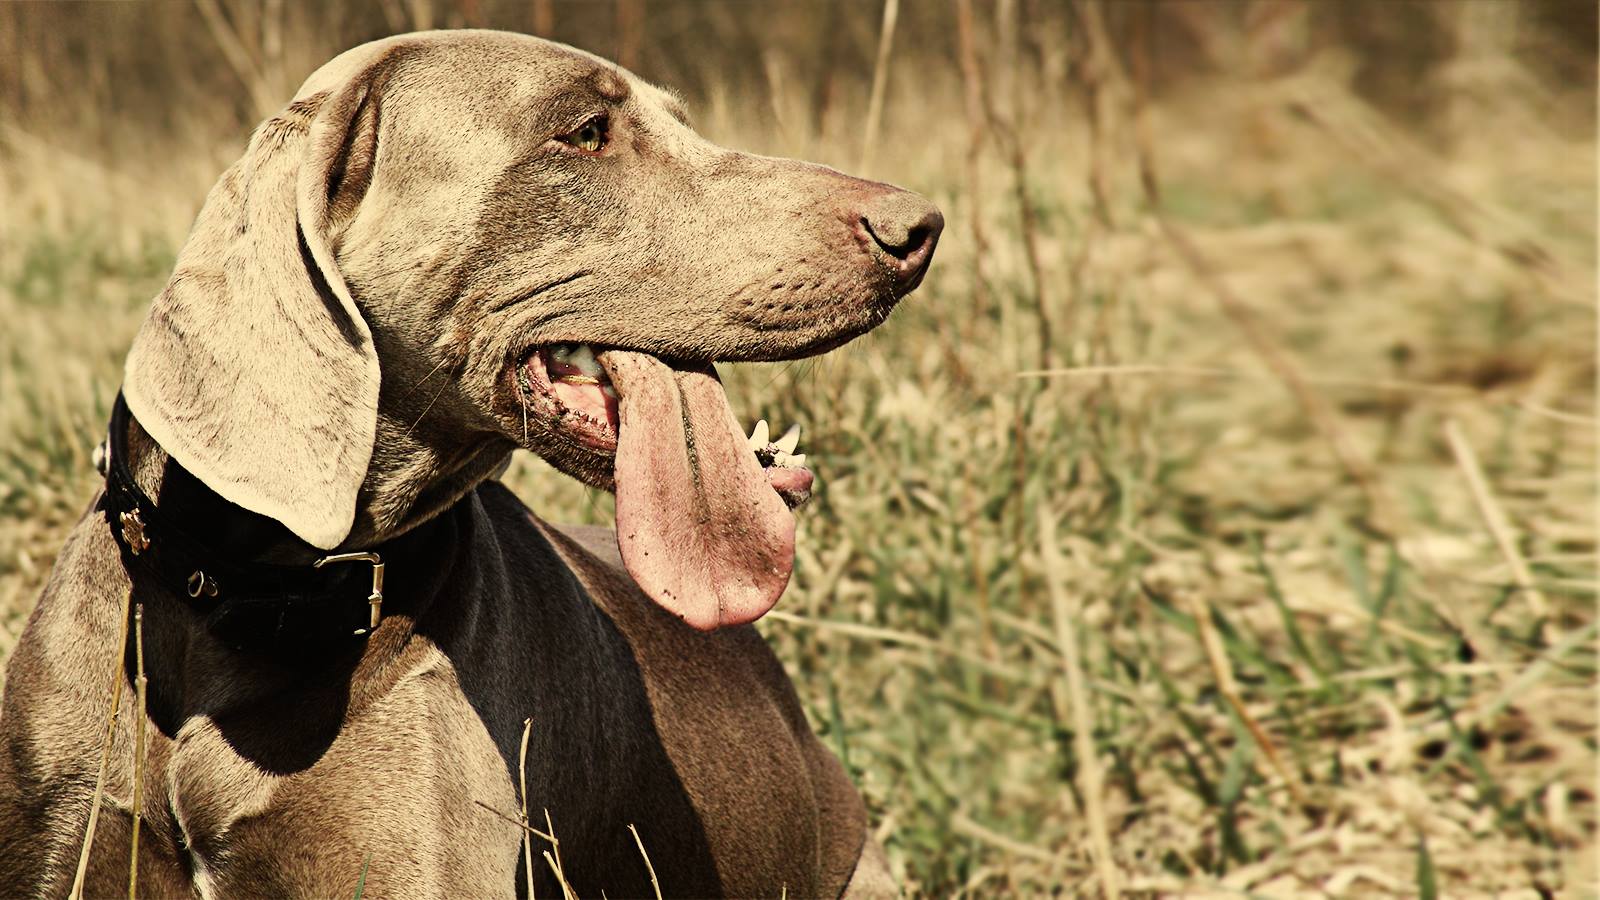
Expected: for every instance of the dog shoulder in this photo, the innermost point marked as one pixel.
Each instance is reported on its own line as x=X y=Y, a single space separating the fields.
x=723 y=707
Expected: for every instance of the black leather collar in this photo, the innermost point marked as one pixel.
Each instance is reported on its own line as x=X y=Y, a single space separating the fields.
x=247 y=605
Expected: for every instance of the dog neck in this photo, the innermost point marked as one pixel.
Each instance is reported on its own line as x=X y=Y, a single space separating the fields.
x=194 y=662
x=254 y=583
x=418 y=470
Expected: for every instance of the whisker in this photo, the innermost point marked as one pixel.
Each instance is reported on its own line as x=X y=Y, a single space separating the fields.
x=425 y=378
x=437 y=394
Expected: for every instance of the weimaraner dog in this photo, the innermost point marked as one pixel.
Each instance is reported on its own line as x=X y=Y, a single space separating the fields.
x=449 y=246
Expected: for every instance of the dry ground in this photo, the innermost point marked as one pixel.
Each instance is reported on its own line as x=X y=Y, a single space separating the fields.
x=1389 y=707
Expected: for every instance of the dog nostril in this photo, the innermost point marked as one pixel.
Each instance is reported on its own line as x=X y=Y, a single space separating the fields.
x=916 y=240
x=908 y=239
x=900 y=246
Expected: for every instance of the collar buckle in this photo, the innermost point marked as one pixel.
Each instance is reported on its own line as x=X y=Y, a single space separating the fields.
x=376 y=600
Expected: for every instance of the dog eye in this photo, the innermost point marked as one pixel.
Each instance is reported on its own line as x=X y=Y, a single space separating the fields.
x=590 y=137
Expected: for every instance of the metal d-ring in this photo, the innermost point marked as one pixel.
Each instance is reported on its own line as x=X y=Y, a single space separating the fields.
x=201 y=583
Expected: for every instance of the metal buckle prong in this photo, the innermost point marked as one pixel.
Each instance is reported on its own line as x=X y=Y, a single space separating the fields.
x=376 y=600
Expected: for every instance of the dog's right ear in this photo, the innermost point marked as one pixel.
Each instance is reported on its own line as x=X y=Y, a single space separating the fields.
x=255 y=370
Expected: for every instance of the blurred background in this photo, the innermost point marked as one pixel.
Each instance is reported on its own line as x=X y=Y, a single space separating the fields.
x=1219 y=516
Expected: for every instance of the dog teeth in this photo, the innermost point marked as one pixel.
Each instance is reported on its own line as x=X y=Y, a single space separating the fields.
x=583 y=359
x=578 y=356
x=788 y=461
x=790 y=439
x=779 y=452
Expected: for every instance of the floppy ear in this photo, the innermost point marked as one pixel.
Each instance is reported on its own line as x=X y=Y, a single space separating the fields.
x=255 y=370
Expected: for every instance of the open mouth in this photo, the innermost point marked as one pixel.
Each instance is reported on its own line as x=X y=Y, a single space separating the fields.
x=566 y=385
x=703 y=510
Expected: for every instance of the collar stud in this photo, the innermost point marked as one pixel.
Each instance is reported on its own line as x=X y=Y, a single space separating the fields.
x=133 y=531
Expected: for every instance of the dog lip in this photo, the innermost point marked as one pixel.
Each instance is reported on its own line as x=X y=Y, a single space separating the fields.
x=539 y=395
x=591 y=425
x=681 y=362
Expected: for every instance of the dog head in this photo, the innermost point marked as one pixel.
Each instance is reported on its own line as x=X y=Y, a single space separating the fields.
x=454 y=243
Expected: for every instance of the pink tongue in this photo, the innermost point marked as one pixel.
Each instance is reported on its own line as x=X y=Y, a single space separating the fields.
x=701 y=530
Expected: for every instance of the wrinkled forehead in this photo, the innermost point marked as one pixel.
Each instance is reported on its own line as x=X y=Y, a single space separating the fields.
x=532 y=86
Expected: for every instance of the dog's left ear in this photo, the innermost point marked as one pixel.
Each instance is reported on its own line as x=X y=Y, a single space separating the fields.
x=255 y=370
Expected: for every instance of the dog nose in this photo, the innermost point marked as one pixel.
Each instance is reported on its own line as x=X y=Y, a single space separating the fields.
x=906 y=228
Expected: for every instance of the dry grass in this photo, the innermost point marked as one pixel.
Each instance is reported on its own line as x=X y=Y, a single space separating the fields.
x=1424 y=673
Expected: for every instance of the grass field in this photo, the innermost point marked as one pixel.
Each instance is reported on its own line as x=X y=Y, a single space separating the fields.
x=1280 y=576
